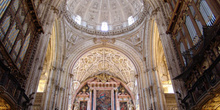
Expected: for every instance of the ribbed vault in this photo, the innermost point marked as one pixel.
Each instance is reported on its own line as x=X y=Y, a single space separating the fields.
x=104 y=60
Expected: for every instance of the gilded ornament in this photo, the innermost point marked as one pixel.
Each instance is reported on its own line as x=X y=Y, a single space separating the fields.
x=103 y=77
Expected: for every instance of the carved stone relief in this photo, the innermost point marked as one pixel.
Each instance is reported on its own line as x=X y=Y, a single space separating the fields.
x=136 y=40
x=114 y=12
x=72 y=38
x=104 y=60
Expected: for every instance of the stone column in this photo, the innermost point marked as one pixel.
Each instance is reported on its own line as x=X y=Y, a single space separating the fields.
x=146 y=92
x=94 y=100
x=160 y=93
x=89 y=104
x=117 y=101
x=140 y=92
x=112 y=99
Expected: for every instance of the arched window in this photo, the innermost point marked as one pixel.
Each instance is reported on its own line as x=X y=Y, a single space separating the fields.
x=206 y=13
x=4 y=5
x=5 y=27
x=191 y=30
x=104 y=26
x=11 y=38
x=130 y=20
x=78 y=19
x=23 y=51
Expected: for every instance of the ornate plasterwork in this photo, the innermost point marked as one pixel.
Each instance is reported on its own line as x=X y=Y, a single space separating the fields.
x=104 y=40
x=131 y=86
x=72 y=37
x=114 y=12
x=104 y=60
x=94 y=12
x=213 y=104
x=103 y=77
x=135 y=40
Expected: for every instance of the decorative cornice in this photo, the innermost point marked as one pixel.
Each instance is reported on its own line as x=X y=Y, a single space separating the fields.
x=104 y=40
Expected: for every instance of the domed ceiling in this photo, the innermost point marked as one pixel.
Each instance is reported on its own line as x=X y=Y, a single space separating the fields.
x=104 y=60
x=105 y=15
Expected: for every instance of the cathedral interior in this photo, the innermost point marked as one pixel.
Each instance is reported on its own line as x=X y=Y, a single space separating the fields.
x=109 y=54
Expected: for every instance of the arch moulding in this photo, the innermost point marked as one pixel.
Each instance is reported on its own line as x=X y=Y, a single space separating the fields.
x=89 y=45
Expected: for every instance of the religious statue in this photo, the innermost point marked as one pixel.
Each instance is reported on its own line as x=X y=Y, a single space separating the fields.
x=103 y=77
x=76 y=105
x=130 y=105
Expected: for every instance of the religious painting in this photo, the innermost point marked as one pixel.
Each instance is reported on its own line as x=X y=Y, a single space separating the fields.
x=123 y=106
x=103 y=100
x=83 y=105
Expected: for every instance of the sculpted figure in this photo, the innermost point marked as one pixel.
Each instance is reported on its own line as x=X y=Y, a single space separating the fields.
x=76 y=105
x=130 y=105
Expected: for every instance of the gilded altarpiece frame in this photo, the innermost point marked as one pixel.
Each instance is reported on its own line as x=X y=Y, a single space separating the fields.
x=103 y=93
